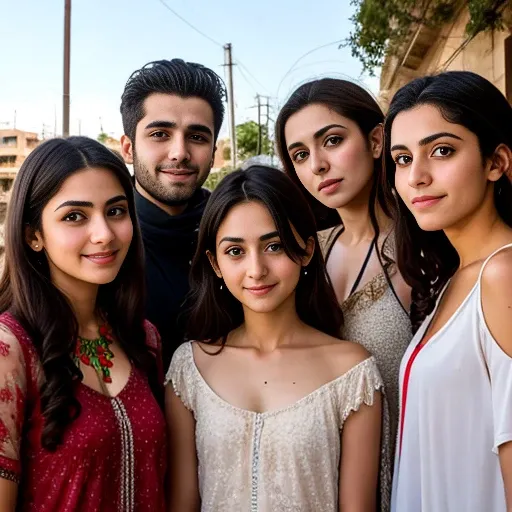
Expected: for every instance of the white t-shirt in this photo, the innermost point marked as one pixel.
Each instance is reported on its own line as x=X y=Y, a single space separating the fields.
x=458 y=411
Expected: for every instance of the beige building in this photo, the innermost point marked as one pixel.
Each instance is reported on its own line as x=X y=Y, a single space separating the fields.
x=430 y=50
x=15 y=146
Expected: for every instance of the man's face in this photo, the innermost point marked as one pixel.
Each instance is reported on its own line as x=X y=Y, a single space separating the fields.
x=174 y=148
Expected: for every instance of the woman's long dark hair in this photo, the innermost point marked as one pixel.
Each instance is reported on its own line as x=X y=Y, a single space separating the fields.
x=348 y=100
x=215 y=312
x=426 y=259
x=26 y=289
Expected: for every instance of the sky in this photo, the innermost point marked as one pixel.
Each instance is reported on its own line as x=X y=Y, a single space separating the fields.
x=112 y=38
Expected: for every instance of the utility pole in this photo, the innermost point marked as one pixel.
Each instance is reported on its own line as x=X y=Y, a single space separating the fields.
x=258 y=148
x=228 y=62
x=67 y=55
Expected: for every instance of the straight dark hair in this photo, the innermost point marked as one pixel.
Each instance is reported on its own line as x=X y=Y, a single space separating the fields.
x=427 y=259
x=348 y=100
x=185 y=79
x=214 y=312
x=26 y=289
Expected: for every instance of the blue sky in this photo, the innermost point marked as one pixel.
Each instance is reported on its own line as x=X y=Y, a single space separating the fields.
x=112 y=38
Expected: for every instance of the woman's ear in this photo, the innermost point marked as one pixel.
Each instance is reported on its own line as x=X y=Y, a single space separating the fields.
x=33 y=239
x=310 y=250
x=213 y=262
x=500 y=163
x=376 y=140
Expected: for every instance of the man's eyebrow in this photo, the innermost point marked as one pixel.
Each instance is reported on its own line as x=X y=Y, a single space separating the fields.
x=161 y=124
x=200 y=128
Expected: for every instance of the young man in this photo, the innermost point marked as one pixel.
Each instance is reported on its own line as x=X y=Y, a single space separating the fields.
x=172 y=112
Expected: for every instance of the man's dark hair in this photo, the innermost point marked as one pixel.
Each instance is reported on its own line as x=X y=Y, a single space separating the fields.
x=185 y=79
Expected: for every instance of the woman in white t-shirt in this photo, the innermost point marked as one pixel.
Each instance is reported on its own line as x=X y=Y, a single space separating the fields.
x=448 y=144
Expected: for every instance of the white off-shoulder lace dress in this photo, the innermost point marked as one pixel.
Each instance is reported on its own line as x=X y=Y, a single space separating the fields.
x=285 y=460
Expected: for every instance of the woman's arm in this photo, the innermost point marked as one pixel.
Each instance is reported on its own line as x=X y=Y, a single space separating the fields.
x=8 y=494
x=497 y=308
x=183 y=483
x=360 y=455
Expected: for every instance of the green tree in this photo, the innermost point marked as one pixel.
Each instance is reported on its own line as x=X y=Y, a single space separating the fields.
x=247 y=140
x=382 y=26
x=102 y=137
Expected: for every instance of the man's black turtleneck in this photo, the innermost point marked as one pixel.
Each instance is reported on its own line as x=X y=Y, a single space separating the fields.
x=169 y=242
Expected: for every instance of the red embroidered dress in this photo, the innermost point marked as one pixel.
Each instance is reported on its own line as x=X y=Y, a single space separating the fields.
x=113 y=457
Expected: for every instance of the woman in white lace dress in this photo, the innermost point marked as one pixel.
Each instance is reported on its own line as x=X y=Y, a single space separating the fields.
x=269 y=410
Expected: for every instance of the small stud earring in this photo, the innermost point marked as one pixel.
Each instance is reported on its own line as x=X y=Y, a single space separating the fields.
x=221 y=287
x=37 y=246
x=305 y=272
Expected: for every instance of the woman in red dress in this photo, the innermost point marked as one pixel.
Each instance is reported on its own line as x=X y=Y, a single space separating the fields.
x=81 y=424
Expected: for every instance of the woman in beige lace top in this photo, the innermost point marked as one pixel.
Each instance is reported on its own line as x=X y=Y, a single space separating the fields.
x=329 y=137
x=275 y=413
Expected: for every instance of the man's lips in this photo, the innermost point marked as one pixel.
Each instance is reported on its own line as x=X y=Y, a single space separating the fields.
x=328 y=183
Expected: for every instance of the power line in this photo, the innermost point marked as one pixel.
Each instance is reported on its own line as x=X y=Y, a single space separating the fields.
x=301 y=57
x=190 y=24
x=250 y=74
x=242 y=74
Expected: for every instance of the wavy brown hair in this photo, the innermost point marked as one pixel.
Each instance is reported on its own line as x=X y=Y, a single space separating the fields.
x=214 y=313
x=27 y=291
x=427 y=259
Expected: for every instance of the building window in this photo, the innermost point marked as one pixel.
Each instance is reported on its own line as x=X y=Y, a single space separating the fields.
x=7 y=160
x=9 y=142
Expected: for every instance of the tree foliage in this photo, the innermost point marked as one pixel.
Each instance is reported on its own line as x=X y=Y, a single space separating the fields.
x=247 y=140
x=103 y=137
x=382 y=26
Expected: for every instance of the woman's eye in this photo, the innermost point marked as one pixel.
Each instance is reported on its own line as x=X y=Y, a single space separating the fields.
x=234 y=251
x=299 y=156
x=443 y=151
x=116 y=211
x=403 y=159
x=274 y=247
x=333 y=140
x=74 y=217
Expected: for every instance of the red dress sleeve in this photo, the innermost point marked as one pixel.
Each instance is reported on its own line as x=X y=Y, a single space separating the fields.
x=13 y=395
x=154 y=343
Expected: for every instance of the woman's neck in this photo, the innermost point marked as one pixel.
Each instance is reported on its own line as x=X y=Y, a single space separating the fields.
x=357 y=222
x=267 y=332
x=82 y=298
x=479 y=234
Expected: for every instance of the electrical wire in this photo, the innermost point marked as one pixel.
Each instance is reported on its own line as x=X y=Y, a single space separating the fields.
x=190 y=24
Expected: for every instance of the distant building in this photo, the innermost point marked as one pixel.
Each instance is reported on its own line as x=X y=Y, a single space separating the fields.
x=15 y=146
x=430 y=50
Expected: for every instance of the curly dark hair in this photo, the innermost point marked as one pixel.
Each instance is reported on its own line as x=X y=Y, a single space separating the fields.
x=185 y=79
x=427 y=260
x=26 y=289
x=214 y=312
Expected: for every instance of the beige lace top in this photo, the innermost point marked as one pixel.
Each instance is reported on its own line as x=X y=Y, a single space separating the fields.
x=285 y=460
x=374 y=317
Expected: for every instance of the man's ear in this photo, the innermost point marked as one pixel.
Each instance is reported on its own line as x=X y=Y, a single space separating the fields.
x=127 y=149
x=213 y=262
x=213 y=156
x=33 y=239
